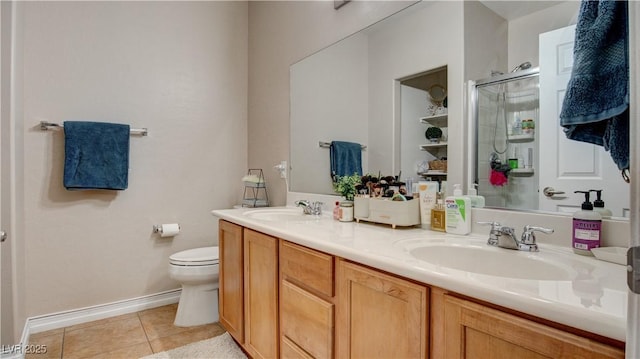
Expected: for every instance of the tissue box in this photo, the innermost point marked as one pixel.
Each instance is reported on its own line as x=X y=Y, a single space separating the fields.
x=384 y=210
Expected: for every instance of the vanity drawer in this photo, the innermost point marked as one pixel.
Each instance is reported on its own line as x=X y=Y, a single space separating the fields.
x=306 y=320
x=307 y=268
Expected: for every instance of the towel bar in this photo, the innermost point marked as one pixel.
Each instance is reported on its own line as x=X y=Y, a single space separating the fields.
x=44 y=126
x=328 y=144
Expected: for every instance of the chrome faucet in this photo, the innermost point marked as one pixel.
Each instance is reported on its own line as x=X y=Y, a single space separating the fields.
x=314 y=208
x=505 y=237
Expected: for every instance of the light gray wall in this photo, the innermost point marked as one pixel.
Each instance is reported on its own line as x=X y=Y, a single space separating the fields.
x=524 y=31
x=177 y=68
x=280 y=34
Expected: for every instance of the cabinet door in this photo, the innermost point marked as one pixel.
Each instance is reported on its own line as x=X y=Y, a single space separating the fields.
x=261 y=294
x=379 y=315
x=231 y=290
x=475 y=331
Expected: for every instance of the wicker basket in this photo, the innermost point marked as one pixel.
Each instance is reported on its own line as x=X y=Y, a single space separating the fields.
x=438 y=165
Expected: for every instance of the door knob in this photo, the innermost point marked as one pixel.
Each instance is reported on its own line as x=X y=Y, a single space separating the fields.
x=550 y=192
x=3 y=236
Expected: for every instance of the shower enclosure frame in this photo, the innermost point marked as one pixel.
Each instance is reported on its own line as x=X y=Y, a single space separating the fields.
x=473 y=112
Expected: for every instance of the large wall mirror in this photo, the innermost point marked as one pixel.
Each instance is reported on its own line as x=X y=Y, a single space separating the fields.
x=355 y=91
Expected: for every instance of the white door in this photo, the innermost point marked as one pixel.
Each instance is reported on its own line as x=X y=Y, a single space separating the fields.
x=567 y=165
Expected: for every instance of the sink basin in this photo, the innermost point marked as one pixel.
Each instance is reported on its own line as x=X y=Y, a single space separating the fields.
x=500 y=262
x=281 y=215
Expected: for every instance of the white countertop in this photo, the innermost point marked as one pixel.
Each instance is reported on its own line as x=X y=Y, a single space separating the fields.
x=595 y=299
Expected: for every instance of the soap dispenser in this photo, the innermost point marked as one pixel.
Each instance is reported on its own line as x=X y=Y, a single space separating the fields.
x=587 y=228
x=476 y=201
x=598 y=205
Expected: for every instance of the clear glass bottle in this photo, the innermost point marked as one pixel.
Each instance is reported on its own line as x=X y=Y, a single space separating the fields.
x=438 y=215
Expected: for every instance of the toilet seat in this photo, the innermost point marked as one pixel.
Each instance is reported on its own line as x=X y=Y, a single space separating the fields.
x=203 y=256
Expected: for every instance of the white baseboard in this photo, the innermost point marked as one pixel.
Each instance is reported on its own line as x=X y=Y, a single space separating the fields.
x=51 y=321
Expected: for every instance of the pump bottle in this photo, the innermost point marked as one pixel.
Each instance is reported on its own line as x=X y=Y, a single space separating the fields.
x=458 y=212
x=587 y=227
x=476 y=201
x=598 y=205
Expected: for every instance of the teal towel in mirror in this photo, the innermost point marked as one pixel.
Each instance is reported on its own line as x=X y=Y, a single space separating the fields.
x=345 y=159
x=96 y=155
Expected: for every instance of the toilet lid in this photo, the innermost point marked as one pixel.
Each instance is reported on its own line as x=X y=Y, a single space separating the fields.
x=195 y=257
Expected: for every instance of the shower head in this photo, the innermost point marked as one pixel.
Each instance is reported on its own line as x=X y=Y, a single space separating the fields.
x=522 y=66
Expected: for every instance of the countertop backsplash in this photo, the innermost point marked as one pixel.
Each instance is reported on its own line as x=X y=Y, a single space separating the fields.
x=615 y=233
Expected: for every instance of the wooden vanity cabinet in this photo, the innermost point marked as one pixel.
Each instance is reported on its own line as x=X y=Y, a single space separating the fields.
x=379 y=315
x=472 y=330
x=280 y=299
x=306 y=302
x=248 y=290
x=231 y=283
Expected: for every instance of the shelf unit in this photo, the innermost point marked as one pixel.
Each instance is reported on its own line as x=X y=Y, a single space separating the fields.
x=527 y=137
x=437 y=149
x=435 y=120
x=255 y=193
x=521 y=172
x=432 y=173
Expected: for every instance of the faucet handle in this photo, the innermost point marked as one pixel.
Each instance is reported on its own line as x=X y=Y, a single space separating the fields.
x=494 y=233
x=528 y=236
x=495 y=226
x=316 y=207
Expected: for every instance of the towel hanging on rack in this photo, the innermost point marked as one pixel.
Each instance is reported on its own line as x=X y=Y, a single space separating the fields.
x=345 y=159
x=96 y=155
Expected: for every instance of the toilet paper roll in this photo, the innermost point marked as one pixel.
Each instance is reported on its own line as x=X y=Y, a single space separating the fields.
x=169 y=229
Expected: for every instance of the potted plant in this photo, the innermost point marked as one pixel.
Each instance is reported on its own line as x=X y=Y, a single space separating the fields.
x=433 y=134
x=346 y=186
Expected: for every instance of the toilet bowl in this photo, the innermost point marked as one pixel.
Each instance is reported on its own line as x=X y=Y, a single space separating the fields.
x=197 y=270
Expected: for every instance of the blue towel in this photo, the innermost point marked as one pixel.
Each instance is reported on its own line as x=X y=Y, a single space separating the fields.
x=96 y=155
x=595 y=107
x=345 y=159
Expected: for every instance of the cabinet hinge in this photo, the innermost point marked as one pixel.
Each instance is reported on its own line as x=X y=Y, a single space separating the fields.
x=633 y=269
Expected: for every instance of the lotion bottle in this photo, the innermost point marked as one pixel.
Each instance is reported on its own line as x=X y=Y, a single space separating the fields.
x=458 y=212
x=598 y=205
x=476 y=201
x=587 y=227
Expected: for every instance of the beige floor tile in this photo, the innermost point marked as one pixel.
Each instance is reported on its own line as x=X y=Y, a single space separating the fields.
x=101 y=321
x=158 y=322
x=106 y=337
x=50 y=342
x=132 y=352
x=191 y=335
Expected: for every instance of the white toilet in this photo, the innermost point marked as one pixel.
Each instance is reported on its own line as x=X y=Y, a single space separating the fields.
x=197 y=270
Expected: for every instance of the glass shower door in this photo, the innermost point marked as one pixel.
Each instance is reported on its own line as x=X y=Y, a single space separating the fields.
x=507 y=111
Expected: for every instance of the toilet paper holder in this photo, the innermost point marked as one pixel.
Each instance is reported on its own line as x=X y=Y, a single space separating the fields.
x=158 y=228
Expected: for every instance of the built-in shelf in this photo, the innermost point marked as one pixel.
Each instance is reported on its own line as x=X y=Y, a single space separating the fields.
x=435 y=120
x=521 y=172
x=527 y=137
x=428 y=146
x=432 y=173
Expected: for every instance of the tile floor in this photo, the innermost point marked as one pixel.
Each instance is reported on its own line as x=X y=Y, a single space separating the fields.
x=126 y=336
